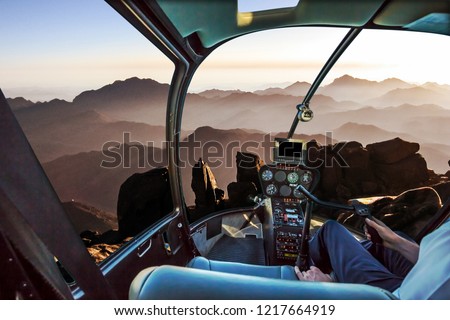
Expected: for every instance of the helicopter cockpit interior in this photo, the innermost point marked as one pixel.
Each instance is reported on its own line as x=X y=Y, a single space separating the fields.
x=87 y=212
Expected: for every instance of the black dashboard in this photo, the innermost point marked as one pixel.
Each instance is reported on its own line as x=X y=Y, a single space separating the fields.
x=281 y=180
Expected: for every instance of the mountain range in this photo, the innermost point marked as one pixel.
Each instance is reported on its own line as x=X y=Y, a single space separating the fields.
x=86 y=177
x=68 y=136
x=361 y=90
x=78 y=177
x=84 y=217
x=89 y=130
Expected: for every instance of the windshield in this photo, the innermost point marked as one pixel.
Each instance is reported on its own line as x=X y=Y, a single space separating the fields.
x=91 y=99
x=382 y=89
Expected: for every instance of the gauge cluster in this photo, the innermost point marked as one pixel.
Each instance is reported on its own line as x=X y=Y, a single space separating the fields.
x=281 y=180
x=279 y=183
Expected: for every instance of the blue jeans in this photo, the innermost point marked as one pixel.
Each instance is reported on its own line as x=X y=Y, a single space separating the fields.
x=333 y=248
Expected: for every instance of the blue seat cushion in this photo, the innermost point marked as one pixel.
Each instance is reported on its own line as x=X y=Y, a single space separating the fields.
x=273 y=272
x=175 y=283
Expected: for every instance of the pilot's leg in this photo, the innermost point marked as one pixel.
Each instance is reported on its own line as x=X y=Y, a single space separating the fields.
x=333 y=248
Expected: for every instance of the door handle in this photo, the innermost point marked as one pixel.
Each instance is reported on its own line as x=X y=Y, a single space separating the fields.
x=144 y=247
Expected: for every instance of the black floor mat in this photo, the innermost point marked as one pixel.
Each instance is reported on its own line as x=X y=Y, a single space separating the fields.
x=245 y=250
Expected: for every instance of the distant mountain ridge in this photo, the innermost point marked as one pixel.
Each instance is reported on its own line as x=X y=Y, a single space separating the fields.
x=123 y=91
x=360 y=90
x=135 y=92
x=296 y=89
x=138 y=106
x=367 y=133
x=19 y=103
x=414 y=95
x=216 y=93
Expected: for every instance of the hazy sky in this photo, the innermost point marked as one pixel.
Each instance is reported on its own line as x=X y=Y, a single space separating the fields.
x=58 y=48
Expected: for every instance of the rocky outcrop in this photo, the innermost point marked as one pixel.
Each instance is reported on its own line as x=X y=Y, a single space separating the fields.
x=248 y=165
x=403 y=174
x=349 y=170
x=392 y=151
x=208 y=197
x=100 y=252
x=247 y=185
x=397 y=165
x=404 y=193
x=408 y=212
x=144 y=198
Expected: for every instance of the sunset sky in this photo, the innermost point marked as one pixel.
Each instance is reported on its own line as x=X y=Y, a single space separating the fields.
x=58 y=48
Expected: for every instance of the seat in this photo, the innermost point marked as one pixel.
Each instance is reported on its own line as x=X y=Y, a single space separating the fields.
x=273 y=272
x=181 y=283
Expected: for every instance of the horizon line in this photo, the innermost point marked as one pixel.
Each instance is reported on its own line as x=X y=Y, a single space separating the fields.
x=224 y=87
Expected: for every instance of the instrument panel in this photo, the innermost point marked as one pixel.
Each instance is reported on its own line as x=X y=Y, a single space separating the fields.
x=279 y=183
x=282 y=180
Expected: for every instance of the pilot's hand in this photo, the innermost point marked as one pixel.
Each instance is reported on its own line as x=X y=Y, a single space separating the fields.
x=314 y=274
x=389 y=237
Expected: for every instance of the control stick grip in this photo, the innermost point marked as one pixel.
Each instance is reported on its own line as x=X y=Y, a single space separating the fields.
x=360 y=209
x=363 y=210
x=374 y=235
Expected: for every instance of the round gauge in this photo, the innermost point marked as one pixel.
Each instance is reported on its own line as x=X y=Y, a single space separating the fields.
x=306 y=177
x=271 y=189
x=267 y=175
x=285 y=191
x=298 y=194
x=278 y=211
x=280 y=176
x=293 y=177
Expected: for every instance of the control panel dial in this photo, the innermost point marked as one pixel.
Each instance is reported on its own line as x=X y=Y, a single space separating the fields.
x=285 y=191
x=298 y=194
x=306 y=177
x=267 y=175
x=271 y=189
x=293 y=177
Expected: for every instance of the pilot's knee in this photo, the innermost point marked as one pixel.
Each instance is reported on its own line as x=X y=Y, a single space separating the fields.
x=331 y=226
